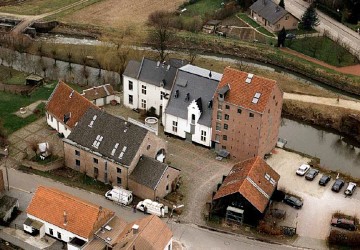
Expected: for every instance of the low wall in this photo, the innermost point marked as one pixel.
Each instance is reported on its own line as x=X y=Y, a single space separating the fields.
x=44 y=167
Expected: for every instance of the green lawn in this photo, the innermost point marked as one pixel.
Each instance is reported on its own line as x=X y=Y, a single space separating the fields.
x=324 y=49
x=36 y=7
x=10 y=103
x=202 y=7
x=265 y=31
x=11 y=76
x=249 y=20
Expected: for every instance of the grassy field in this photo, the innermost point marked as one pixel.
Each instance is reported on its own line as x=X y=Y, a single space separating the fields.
x=11 y=76
x=202 y=7
x=324 y=49
x=247 y=19
x=10 y=103
x=36 y=7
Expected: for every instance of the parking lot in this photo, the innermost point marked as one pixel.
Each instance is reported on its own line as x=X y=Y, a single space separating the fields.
x=313 y=219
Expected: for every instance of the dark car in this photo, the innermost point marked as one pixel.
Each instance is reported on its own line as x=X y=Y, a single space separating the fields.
x=324 y=180
x=338 y=184
x=311 y=174
x=343 y=223
x=293 y=201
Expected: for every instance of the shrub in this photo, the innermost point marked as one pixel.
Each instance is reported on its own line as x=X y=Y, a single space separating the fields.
x=268 y=229
x=343 y=238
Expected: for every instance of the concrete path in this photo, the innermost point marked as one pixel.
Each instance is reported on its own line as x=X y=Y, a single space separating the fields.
x=334 y=102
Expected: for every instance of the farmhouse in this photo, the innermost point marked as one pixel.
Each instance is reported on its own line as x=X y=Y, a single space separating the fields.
x=101 y=95
x=86 y=226
x=272 y=16
x=109 y=149
x=246 y=114
x=189 y=111
x=249 y=186
x=148 y=84
x=64 y=108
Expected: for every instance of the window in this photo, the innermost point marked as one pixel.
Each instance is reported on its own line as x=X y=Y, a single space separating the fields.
x=223 y=147
x=51 y=118
x=143 y=104
x=220 y=105
x=227 y=107
x=130 y=85
x=51 y=231
x=287 y=18
x=118 y=180
x=217 y=138
x=96 y=161
x=219 y=114
x=192 y=118
x=130 y=99
x=203 y=135
x=77 y=162
x=174 y=126
x=227 y=117
x=251 y=114
x=96 y=171
x=143 y=89
x=225 y=137
x=148 y=147
x=118 y=170
x=59 y=235
x=162 y=94
x=218 y=126
x=239 y=110
x=77 y=152
x=167 y=187
x=226 y=126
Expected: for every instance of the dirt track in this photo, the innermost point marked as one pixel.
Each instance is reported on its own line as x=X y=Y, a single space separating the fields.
x=119 y=13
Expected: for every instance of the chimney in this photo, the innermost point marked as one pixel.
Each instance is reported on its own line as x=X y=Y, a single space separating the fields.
x=135 y=229
x=65 y=218
x=210 y=75
x=71 y=94
x=157 y=64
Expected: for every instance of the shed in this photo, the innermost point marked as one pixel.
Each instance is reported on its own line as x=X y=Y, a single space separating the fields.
x=34 y=80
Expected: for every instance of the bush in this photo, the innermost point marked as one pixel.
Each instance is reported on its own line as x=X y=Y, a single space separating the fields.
x=269 y=229
x=228 y=10
x=343 y=238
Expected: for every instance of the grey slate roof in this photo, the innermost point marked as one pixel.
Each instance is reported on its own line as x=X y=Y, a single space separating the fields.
x=132 y=69
x=201 y=89
x=152 y=72
x=114 y=130
x=270 y=10
x=148 y=172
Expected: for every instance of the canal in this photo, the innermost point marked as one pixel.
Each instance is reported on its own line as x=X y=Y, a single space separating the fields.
x=334 y=153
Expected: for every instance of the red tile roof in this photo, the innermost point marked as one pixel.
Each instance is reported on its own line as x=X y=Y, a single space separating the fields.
x=98 y=92
x=242 y=93
x=83 y=218
x=65 y=100
x=152 y=234
x=248 y=179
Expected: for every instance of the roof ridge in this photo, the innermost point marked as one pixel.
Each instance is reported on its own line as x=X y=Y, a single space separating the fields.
x=52 y=94
x=255 y=75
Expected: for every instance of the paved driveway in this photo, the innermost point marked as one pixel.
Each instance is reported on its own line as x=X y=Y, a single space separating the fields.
x=313 y=219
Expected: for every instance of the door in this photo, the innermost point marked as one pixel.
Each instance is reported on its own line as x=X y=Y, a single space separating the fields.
x=188 y=136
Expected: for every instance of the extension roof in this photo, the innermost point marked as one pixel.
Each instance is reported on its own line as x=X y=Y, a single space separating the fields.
x=98 y=92
x=83 y=218
x=111 y=136
x=153 y=234
x=201 y=85
x=241 y=93
x=269 y=10
x=254 y=179
x=148 y=172
x=64 y=101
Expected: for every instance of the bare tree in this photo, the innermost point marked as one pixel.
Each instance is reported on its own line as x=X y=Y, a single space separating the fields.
x=192 y=55
x=161 y=34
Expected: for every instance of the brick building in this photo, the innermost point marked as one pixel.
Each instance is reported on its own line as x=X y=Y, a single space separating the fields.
x=246 y=114
x=109 y=148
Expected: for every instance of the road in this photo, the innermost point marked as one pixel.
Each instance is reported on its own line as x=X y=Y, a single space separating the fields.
x=23 y=185
x=334 y=28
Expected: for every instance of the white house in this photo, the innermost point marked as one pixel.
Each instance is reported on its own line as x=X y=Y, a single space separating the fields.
x=148 y=84
x=64 y=108
x=188 y=113
x=101 y=95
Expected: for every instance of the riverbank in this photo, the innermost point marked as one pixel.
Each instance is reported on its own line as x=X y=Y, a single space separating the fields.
x=344 y=121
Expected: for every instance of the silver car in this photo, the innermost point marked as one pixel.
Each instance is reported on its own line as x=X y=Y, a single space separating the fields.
x=350 y=188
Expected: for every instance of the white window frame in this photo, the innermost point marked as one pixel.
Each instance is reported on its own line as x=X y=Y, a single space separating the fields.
x=174 y=126
x=143 y=89
x=143 y=103
x=203 y=135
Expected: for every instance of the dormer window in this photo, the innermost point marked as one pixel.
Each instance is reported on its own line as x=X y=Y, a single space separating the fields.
x=176 y=94
x=187 y=98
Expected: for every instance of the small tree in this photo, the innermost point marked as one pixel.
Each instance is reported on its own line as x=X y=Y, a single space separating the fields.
x=281 y=38
x=282 y=4
x=309 y=19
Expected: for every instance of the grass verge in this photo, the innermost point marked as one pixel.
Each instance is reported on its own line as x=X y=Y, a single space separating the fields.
x=11 y=76
x=71 y=178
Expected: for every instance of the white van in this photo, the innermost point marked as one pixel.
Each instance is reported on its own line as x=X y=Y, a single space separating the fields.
x=119 y=195
x=152 y=207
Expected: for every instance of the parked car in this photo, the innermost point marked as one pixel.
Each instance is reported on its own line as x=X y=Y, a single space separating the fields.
x=293 y=201
x=302 y=169
x=343 y=223
x=311 y=174
x=290 y=36
x=324 y=180
x=152 y=207
x=119 y=195
x=338 y=184
x=350 y=188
